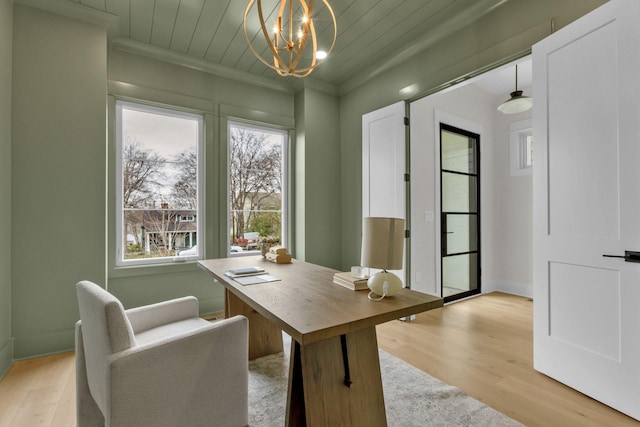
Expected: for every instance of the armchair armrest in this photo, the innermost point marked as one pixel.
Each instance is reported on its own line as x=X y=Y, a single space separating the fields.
x=154 y=315
x=159 y=383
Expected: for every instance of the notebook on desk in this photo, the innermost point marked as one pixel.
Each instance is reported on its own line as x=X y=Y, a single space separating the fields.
x=255 y=279
x=246 y=271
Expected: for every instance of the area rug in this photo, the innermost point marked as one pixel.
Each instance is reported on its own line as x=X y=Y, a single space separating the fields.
x=412 y=397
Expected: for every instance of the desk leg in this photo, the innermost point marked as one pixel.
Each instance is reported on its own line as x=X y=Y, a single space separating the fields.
x=264 y=337
x=317 y=393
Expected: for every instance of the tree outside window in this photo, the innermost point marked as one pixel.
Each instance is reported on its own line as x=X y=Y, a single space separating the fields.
x=256 y=166
x=158 y=178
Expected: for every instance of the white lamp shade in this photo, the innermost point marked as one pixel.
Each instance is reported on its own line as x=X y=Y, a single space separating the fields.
x=382 y=243
x=518 y=103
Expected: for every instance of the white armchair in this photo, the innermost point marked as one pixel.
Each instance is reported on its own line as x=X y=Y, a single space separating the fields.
x=158 y=365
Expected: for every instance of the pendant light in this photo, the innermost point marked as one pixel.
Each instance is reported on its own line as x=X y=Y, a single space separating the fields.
x=517 y=103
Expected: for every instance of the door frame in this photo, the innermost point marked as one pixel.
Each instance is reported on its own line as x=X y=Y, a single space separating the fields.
x=391 y=163
x=470 y=292
x=443 y=117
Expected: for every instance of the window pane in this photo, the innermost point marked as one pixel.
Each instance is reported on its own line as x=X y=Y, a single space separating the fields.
x=458 y=193
x=461 y=233
x=460 y=272
x=159 y=182
x=458 y=152
x=256 y=202
x=529 y=151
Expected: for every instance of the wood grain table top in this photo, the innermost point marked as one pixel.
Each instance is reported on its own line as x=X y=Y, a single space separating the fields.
x=307 y=305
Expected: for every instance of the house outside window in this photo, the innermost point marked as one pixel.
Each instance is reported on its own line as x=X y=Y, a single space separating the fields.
x=257 y=193
x=158 y=181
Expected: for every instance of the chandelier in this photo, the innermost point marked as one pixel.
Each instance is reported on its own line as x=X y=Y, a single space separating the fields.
x=292 y=47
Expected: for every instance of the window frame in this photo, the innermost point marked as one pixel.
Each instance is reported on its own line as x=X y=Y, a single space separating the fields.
x=171 y=111
x=285 y=179
x=518 y=133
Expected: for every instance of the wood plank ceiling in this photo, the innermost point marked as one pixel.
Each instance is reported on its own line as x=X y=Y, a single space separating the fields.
x=372 y=34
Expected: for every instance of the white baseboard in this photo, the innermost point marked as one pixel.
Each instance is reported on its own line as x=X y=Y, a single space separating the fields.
x=514 y=288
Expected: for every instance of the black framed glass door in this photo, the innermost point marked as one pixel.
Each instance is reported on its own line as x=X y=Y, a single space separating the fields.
x=460 y=212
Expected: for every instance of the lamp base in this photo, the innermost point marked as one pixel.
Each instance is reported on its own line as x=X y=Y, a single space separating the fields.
x=384 y=284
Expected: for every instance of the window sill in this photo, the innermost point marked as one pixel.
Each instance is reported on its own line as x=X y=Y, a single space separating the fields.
x=151 y=269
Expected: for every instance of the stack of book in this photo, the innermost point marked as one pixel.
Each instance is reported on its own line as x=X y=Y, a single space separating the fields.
x=348 y=281
x=278 y=254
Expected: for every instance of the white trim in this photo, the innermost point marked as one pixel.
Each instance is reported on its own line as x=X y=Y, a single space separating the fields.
x=516 y=153
x=119 y=219
x=284 y=134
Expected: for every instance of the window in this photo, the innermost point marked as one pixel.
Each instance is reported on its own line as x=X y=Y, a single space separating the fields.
x=526 y=150
x=521 y=147
x=257 y=177
x=158 y=181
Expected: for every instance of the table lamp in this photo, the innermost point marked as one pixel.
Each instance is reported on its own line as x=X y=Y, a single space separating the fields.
x=383 y=248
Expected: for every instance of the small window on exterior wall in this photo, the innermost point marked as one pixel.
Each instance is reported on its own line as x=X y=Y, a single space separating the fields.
x=521 y=147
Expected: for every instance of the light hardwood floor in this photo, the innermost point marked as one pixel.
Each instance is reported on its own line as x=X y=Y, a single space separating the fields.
x=482 y=345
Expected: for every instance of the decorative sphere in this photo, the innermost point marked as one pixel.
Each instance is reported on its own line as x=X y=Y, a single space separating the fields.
x=384 y=283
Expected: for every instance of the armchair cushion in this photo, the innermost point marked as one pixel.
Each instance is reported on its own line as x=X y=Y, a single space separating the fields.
x=154 y=315
x=165 y=382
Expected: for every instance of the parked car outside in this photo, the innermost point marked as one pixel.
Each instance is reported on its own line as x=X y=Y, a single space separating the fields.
x=191 y=251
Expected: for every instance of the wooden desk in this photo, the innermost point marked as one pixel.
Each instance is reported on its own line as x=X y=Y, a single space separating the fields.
x=334 y=374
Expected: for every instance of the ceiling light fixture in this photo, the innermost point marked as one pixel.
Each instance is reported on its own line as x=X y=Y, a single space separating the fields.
x=517 y=103
x=293 y=42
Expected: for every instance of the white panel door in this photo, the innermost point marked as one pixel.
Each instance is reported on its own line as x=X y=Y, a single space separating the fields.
x=383 y=165
x=586 y=204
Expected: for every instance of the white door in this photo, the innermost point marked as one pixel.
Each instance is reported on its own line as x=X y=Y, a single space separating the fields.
x=586 y=203
x=383 y=165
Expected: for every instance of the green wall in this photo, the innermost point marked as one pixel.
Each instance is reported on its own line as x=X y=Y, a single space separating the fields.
x=6 y=40
x=58 y=180
x=138 y=76
x=60 y=192
x=508 y=31
x=318 y=178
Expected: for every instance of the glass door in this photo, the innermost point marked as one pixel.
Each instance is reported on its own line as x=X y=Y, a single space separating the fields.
x=460 y=212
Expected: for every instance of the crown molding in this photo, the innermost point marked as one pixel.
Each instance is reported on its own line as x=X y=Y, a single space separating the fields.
x=77 y=11
x=311 y=83
x=144 y=49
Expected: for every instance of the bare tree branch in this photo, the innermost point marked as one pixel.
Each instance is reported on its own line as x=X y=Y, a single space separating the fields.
x=141 y=168
x=255 y=174
x=185 y=190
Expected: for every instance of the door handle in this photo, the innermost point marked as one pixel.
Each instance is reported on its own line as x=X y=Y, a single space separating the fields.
x=629 y=256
